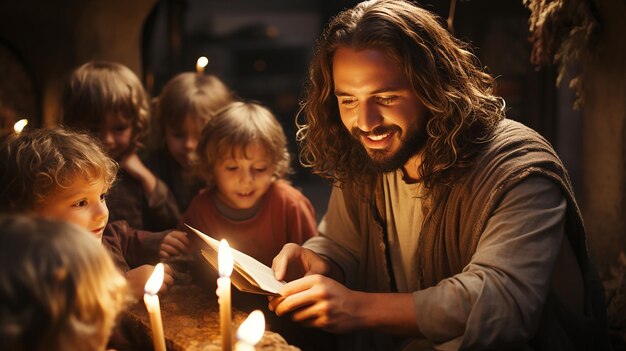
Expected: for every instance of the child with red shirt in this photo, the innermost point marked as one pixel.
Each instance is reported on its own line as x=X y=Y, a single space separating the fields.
x=243 y=158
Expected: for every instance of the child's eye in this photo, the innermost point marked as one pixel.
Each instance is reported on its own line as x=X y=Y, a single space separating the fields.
x=80 y=204
x=103 y=197
x=261 y=169
x=386 y=100
x=231 y=168
x=120 y=128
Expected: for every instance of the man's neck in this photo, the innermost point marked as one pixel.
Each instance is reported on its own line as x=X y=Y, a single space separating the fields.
x=411 y=175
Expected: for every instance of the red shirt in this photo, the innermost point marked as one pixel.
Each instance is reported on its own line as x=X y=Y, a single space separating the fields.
x=285 y=216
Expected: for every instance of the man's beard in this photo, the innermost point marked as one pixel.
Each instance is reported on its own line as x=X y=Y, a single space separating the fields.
x=381 y=160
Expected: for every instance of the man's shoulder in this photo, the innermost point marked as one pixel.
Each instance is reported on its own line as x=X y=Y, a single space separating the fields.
x=509 y=129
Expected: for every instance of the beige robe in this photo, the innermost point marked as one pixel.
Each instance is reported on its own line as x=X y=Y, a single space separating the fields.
x=353 y=234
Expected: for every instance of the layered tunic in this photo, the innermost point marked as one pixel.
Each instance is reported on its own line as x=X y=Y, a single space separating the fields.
x=497 y=260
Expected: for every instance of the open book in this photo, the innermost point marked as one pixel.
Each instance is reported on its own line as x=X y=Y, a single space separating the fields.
x=248 y=275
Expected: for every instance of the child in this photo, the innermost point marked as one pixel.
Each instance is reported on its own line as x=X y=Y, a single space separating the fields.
x=65 y=175
x=185 y=105
x=59 y=289
x=243 y=158
x=108 y=100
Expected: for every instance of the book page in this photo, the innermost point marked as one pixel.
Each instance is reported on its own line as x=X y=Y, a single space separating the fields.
x=253 y=272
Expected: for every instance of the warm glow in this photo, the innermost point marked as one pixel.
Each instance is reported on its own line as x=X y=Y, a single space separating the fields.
x=153 y=285
x=201 y=64
x=225 y=259
x=252 y=329
x=19 y=125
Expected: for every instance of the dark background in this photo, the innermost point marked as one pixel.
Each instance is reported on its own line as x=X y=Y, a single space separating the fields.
x=261 y=50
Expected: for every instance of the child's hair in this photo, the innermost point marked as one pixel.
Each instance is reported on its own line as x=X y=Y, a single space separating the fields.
x=38 y=162
x=189 y=94
x=100 y=88
x=234 y=128
x=59 y=288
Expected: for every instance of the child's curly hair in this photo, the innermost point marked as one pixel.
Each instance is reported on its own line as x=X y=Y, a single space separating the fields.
x=234 y=128
x=36 y=163
x=100 y=88
x=188 y=95
x=59 y=288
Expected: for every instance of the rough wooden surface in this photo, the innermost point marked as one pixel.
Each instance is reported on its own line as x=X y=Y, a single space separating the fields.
x=191 y=322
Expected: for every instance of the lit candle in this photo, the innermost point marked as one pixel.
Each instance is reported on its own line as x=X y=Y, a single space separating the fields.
x=201 y=63
x=19 y=125
x=250 y=331
x=151 y=299
x=225 y=267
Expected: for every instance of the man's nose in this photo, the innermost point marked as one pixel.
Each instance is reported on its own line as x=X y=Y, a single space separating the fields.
x=368 y=117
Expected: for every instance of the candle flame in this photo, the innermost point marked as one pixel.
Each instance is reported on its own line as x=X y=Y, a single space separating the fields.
x=19 y=125
x=225 y=259
x=252 y=329
x=153 y=285
x=201 y=63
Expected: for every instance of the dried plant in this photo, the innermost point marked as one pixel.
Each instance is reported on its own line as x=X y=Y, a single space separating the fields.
x=563 y=34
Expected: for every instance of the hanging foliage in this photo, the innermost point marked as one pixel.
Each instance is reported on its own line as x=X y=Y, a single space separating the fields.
x=563 y=33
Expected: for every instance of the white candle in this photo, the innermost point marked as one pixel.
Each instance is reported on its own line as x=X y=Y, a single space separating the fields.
x=19 y=125
x=201 y=64
x=225 y=268
x=250 y=331
x=151 y=299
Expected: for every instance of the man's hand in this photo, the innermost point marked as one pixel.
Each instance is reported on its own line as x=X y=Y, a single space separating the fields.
x=321 y=302
x=174 y=244
x=294 y=261
x=137 y=278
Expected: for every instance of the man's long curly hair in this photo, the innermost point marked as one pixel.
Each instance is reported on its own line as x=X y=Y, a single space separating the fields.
x=461 y=110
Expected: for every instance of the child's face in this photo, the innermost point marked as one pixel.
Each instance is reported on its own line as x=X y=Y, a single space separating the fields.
x=241 y=182
x=83 y=204
x=181 y=142
x=115 y=135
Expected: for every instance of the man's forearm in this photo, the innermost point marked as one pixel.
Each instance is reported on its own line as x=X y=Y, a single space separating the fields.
x=334 y=270
x=391 y=313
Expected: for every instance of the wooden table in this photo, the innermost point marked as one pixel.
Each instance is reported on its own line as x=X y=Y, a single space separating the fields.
x=190 y=321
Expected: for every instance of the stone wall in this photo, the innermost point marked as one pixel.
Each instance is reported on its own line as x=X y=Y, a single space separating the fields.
x=54 y=37
x=603 y=156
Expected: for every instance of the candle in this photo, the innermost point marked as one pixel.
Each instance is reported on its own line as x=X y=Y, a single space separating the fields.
x=151 y=299
x=225 y=268
x=201 y=63
x=19 y=125
x=250 y=331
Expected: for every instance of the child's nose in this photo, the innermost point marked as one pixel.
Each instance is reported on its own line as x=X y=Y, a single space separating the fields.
x=106 y=138
x=191 y=143
x=246 y=176
x=102 y=211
